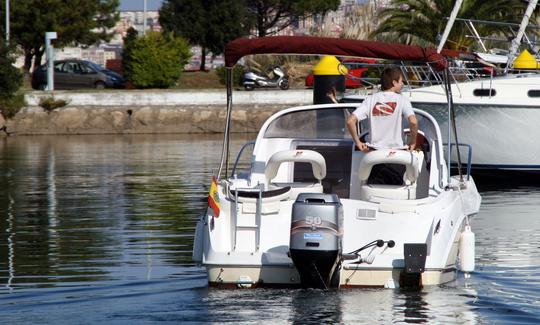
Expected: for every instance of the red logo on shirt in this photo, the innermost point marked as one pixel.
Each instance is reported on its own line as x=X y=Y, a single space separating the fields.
x=383 y=109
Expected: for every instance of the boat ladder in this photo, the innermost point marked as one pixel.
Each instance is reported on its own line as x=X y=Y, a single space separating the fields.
x=246 y=220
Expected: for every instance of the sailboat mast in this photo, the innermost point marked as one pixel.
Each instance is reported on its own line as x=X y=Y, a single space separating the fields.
x=449 y=25
x=517 y=40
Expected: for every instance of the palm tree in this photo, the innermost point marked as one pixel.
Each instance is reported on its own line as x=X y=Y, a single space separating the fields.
x=420 y=22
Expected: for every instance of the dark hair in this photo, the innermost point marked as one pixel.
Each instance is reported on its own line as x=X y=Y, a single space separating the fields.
x=388 y=75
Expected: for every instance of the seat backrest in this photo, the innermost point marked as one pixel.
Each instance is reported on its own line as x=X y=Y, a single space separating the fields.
x=412 y=160
x=421 y=140
x=318 y=164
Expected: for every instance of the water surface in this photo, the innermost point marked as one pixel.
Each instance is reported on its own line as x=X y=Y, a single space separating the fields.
x=99 y=229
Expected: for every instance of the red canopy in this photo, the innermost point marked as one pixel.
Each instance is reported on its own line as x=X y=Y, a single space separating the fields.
x=332 y=46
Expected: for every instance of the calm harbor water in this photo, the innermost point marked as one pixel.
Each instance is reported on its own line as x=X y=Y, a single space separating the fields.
x=99 y=229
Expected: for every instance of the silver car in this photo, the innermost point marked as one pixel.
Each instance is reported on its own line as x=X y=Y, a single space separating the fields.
x=74 y=74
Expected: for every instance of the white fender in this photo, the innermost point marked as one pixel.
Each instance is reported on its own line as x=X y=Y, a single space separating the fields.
x=466 y=250
x=411 y=159
x=316 y=159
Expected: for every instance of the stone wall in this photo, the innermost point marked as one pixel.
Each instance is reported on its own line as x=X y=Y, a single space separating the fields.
x=151 y=111
x=137 y=119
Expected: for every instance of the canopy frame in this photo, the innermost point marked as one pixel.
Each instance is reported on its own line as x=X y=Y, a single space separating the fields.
x=307 y=45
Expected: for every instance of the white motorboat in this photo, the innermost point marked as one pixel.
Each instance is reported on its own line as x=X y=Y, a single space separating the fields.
x=307 y=212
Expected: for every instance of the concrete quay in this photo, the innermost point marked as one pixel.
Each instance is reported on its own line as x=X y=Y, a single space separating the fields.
x=150 y=111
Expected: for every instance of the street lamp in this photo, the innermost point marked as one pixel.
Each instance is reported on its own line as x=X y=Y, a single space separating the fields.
x=7 y=21
x=144 y=18
x=50 y=59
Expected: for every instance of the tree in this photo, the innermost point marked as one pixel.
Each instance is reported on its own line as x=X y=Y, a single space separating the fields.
x=10 y=81
x=422 y=21
x=208 y=23
x=10 y=77
x=156 y=60
x=129 y=40
x=77 y=22
x=272 y=16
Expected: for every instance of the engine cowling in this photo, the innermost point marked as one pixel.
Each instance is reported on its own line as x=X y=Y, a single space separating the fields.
x=315 y=241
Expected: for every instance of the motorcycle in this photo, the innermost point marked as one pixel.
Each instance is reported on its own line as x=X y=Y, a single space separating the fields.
x=254 y=80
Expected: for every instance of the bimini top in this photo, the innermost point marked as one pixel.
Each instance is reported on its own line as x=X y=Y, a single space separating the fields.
x=333 y=46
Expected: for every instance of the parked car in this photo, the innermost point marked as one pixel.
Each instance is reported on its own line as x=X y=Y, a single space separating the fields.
x=353 y=77
x=74 y=74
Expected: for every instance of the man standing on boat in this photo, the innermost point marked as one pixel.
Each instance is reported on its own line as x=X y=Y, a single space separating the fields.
x=385 y=110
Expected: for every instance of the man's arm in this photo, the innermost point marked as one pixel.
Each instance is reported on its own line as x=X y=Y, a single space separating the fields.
x=352 y=122
x=332 y=95
x=413 y=126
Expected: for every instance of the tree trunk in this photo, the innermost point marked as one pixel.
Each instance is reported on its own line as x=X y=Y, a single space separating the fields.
x=38 y=54
x=203 y=58
x=27 y=61
x=262 y=31
x=261 y=15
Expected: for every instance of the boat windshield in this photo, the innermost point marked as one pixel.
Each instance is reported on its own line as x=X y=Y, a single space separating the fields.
x=327 y=123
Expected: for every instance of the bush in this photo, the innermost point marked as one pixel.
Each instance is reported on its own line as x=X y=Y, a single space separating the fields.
x=10 y=81
x=10 y=106
x=238 y=74
x=50 y=103
x=156 y=61
x=131 y=37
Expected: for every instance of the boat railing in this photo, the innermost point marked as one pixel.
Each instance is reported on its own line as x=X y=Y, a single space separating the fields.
x=469 y=156
x=423 y=75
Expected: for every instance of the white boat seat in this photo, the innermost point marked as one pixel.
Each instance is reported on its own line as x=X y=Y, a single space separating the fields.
x=412 y=160
x=300 y=187
x=246 y=200
x=372 y=192
x=318 y=164
x=251 y=196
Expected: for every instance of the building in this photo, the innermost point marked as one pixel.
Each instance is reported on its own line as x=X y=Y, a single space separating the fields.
x=135 y=19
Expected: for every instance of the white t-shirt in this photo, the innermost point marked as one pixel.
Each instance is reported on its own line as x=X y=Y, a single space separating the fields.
x=385 y=111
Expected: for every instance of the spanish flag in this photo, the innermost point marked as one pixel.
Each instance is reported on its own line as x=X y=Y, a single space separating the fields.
x=213 y=197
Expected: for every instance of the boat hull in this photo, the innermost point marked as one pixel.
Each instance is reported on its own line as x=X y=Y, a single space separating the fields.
x=231 y=277
x=501 y=136
x=271 y=265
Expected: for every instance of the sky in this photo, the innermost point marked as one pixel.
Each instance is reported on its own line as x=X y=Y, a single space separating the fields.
x=138 y=5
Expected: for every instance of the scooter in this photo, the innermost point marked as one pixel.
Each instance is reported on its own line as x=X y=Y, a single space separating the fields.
x=254 y=80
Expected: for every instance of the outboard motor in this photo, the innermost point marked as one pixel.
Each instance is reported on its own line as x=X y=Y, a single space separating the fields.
x=315 y=244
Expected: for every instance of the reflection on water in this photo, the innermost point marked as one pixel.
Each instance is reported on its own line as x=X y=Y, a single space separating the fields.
x=104 y=225
x=82 y=209
x=508 y=255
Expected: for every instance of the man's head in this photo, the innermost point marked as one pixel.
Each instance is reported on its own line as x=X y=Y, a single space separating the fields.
x=392 y=79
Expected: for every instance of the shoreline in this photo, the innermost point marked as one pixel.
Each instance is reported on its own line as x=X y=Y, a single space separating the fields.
x=150 y=112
